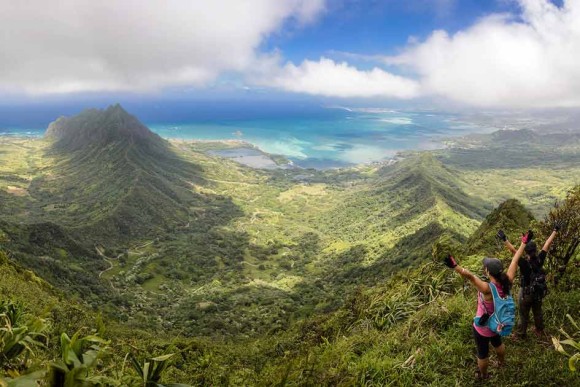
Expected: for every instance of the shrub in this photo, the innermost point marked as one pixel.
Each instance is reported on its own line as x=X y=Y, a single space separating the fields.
x=79 y=356
x=572 y=341
x=20 y=334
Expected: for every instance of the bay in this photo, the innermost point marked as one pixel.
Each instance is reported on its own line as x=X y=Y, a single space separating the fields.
x=325 y=137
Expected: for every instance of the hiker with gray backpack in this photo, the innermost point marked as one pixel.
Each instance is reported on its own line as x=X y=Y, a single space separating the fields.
x=495 y=316
x=533 y=283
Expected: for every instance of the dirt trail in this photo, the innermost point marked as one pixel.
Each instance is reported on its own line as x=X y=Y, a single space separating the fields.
x=232 y=182
x=109 y=261
x=250 y=264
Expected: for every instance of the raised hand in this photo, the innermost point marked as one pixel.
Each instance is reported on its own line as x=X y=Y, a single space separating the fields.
x=527 y=237
x=501 y=235
x=558 y=224
x=450 y=261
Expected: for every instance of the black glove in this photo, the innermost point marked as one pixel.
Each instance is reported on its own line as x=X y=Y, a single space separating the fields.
x=527 y=237
x=450 y=261
x=501 y=235
x=558 y=225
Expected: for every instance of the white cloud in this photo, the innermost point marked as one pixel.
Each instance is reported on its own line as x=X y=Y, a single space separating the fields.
x=527 y=60
x=532 y=60
x=87 y=45
x=329 y=78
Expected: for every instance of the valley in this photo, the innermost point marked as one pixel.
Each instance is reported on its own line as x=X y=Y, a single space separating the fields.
x=167 y=236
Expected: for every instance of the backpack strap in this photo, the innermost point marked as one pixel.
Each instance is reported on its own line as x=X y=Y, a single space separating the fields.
x=483 y=303
x=494 y=291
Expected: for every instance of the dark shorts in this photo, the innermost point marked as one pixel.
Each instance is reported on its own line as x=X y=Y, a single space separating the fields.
x=482 y=343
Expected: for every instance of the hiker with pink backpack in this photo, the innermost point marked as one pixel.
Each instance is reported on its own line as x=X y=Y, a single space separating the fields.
x=495 y=316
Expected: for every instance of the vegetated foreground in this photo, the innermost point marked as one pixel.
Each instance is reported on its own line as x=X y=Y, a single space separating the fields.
x=265 y=277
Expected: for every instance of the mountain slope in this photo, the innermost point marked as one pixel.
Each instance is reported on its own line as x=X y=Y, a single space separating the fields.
x=511 y=216
x=104 y=180
x=40 y=298
x=406 y=208
x=115 y=180
x=55 y=256
x=414 y=328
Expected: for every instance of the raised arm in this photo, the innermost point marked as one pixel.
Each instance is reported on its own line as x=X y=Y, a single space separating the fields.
x=511 y=273
x=512 y=269
x=480 y=285
x=549 y=241
x=557 y=226
x=510 y=247
x=501 y=235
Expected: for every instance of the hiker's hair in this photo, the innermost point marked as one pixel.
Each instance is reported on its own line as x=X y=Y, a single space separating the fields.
x=504 y=281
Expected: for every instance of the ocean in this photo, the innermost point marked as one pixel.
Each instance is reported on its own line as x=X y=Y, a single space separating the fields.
x=323 y=137
x=339 y=137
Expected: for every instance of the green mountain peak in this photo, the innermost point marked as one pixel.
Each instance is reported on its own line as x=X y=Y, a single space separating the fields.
x=510 y=216
x=100 y=128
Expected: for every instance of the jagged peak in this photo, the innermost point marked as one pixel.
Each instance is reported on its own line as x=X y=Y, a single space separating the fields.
x=96 y=127
x=116 y=107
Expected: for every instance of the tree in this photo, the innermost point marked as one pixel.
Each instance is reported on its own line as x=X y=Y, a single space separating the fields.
x=568 y=240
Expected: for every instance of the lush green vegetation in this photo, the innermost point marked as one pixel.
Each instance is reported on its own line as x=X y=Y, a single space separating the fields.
x=413 y=329
x=255 y=277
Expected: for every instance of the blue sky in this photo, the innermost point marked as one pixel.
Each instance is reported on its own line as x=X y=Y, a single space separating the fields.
x=370 y=27
x=463 y=53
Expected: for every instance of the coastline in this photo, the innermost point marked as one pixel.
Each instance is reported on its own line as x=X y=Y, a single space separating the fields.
x=342 y=137
x=252 y=155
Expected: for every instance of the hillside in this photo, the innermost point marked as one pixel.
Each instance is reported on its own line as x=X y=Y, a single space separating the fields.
x=414 y=329
x=511 y=217
x=169 y=236
x=56 y=257
x=194 y=239
x=115 y=180
x=41 y=299
x=292 y=276
x=405 y=208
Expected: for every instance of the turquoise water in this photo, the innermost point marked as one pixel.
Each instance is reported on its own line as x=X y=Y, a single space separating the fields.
x=340 y=137
x=325 y=137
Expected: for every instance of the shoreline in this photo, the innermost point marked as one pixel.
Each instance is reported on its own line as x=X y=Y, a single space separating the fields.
x=272 y=161
x=277 y=162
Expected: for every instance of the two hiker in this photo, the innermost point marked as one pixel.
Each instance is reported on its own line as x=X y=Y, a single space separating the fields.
x=495 y=308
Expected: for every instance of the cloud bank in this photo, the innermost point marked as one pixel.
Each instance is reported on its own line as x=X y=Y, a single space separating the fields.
x=86 y=45
x=529 y=59
x=328 y=78
x=526 y=60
